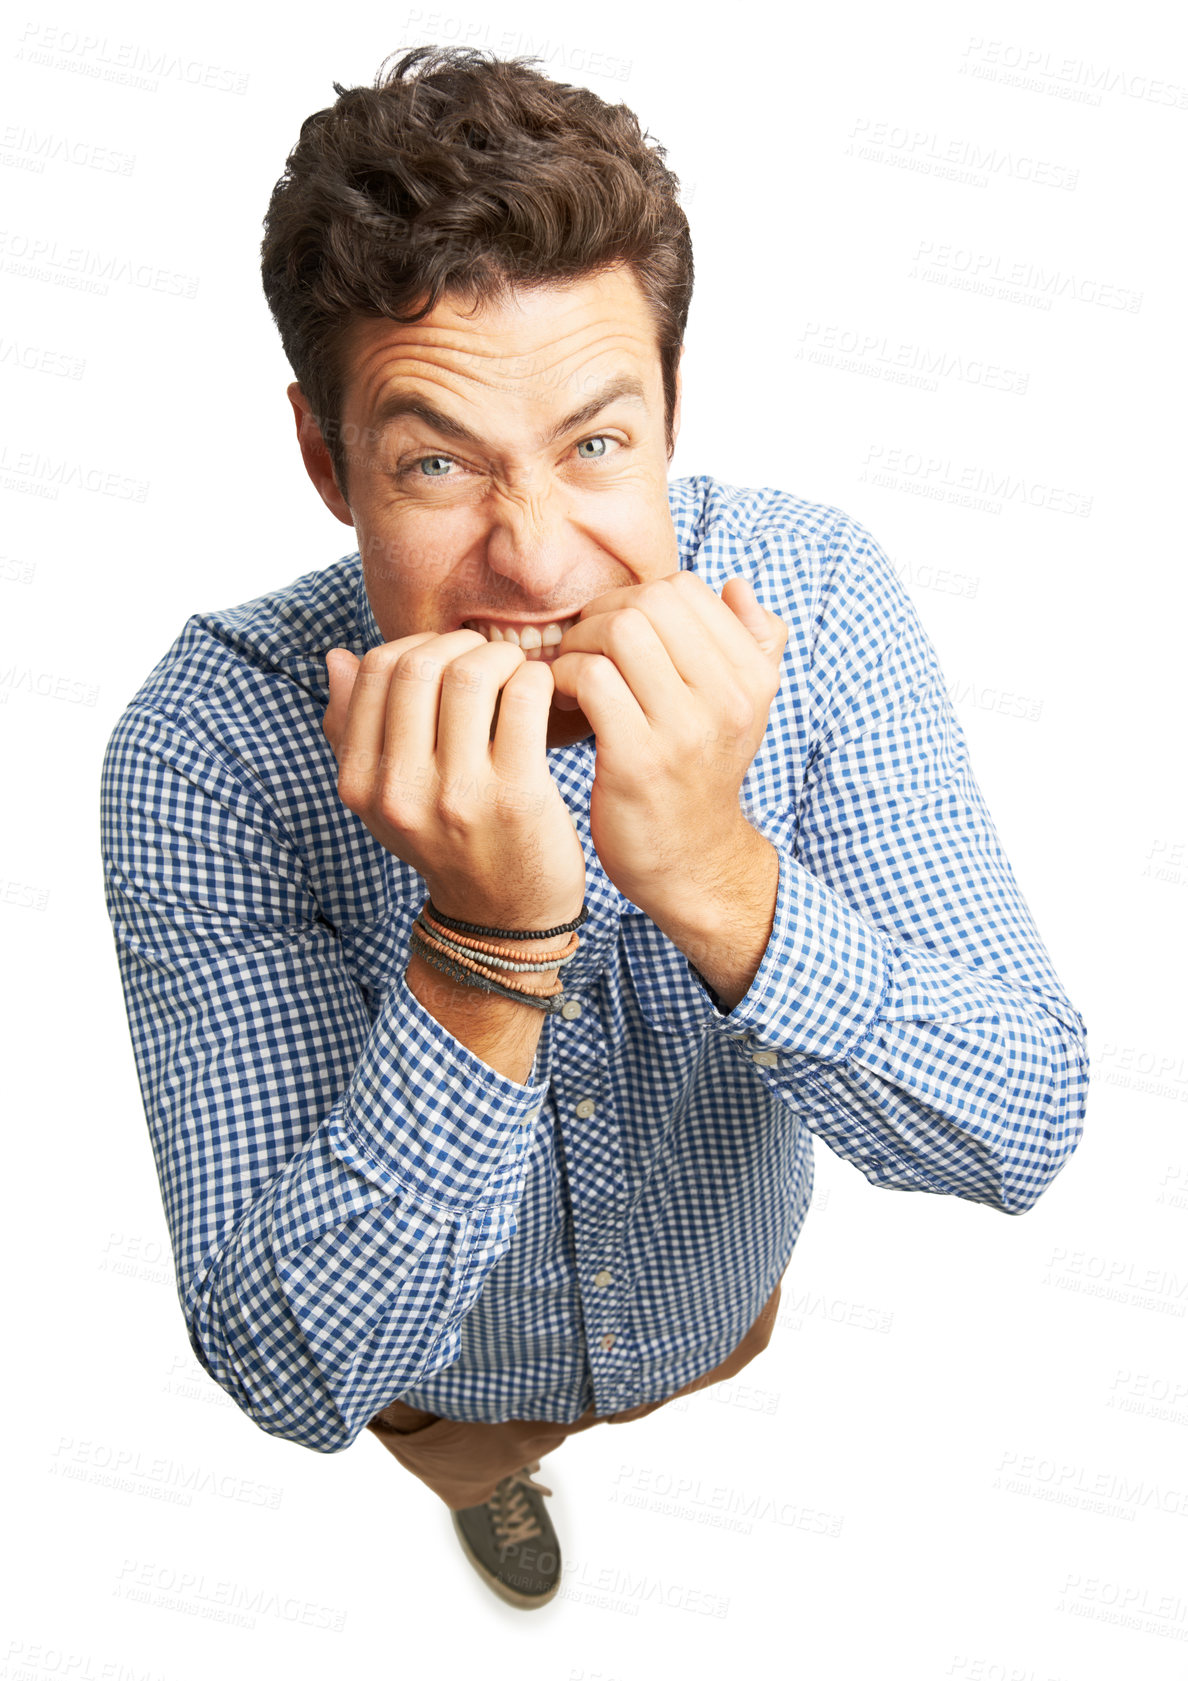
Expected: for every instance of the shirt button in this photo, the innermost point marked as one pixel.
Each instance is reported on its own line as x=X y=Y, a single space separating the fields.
x=585 y=1108
x=570 y=1010
x=603 y=1278
x=767 y=1059
x=607 y=1341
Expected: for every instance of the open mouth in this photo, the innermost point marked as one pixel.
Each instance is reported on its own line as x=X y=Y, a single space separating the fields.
x=539 y=642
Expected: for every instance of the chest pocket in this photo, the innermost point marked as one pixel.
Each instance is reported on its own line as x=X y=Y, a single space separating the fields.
x=670 y=997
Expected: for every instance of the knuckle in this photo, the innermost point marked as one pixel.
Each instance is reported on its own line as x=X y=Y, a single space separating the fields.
x=654 y=591
x=465 y=673
x=415 y=666
x=374 y=662
x=625 y=624
x=452 y=807
x=396 y=802
x=349 y=791
x=595 y=670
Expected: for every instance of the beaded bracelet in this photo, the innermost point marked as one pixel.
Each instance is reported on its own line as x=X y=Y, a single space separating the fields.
x=477 y=965
x=490 y=946
x=474 y=964
x=490 y=954
x=551 y=1003
x=473 y=968
x=508 y=933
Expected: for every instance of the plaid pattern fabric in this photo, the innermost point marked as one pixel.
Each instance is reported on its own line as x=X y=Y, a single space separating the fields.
x=361 y=1209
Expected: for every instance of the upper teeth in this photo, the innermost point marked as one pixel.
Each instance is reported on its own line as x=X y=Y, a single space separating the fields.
x=531 y=638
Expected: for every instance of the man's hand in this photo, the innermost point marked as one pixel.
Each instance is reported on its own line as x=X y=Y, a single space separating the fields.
x=677 y=683
x=475 y=810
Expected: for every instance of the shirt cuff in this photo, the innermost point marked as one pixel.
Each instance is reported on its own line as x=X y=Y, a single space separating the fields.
x=823 y=980
x=424 y=1114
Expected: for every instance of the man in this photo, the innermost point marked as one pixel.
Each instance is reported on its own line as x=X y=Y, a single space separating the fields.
x=694 y=732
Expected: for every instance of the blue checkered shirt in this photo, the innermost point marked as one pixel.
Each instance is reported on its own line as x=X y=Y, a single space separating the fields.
x=361 y=1209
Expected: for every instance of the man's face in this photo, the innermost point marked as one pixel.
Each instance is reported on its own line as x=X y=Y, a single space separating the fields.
x=527 y=484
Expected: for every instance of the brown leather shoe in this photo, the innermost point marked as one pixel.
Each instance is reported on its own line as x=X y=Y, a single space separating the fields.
x=511 y=1542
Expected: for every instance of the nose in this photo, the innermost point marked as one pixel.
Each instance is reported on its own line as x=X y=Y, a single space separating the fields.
x=531 y=542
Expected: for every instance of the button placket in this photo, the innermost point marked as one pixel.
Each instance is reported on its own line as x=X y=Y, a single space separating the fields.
x=597 y=1189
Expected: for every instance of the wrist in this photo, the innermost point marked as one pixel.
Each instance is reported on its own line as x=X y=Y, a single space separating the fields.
x=495 y=922
x=489 y=958
x=436 y=988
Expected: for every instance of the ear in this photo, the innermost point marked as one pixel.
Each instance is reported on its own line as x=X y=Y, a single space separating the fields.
x=676 y=407
x=317 y=457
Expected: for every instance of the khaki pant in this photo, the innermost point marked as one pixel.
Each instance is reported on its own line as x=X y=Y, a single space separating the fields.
x=462 y=1462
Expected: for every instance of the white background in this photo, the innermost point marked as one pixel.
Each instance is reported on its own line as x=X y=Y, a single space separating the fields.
x=964 y=1453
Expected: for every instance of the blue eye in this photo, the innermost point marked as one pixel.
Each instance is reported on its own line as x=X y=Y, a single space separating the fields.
x=439 y=466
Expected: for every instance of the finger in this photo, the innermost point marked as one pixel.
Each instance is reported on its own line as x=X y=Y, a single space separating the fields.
x=361 y=744
x=471 y=689
x=710 y=630
x=695 y=641
x=628 y=639
x=768 y=631
x=415 y=706
x=341 y=666
x=562 y=701
x=602 y=692
x=520 y=741
x=730 y=629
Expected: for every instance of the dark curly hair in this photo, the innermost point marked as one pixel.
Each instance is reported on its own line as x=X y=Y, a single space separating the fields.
x=473 y=176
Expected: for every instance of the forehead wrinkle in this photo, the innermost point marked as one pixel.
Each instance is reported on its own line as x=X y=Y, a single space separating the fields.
x=523 y=364
x=613 y=299
x=394 y=385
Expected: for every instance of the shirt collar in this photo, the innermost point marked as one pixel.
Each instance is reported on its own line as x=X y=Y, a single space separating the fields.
x=367 y=633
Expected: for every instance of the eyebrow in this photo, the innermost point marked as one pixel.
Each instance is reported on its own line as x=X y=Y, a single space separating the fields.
x=626 y=388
